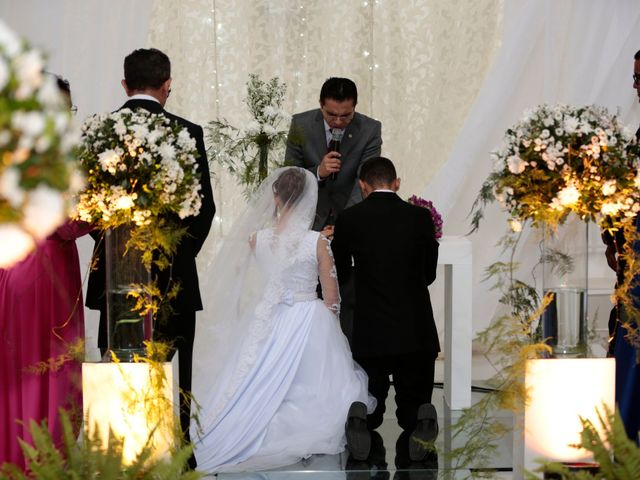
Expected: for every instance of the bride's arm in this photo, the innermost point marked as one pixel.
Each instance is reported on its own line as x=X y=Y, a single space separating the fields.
x=328 y=275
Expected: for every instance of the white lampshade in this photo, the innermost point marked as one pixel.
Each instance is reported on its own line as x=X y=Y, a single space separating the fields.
x=560 y=392
x=114 y=396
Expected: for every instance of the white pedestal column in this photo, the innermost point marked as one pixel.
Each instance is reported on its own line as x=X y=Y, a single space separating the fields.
x=119 y=396
x=455 y=254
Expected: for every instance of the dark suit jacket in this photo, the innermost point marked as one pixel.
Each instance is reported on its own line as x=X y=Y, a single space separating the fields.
x=183 y=268
x=307 y=144
x=395 y=254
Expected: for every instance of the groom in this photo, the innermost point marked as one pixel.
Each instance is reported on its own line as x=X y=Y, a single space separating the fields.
x=147 y=82
x=394 y=252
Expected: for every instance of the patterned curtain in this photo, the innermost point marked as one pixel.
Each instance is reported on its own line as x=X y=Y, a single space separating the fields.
x=418 y=64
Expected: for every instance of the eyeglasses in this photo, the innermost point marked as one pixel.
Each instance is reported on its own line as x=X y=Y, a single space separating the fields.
x=335 y=116
x=636 y=78
x=74 y=109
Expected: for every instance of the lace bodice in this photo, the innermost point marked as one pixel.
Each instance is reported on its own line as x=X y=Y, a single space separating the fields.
x=294 y=275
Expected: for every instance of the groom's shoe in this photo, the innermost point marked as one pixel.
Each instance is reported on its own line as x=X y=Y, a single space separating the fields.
x=358 y=435
x=426 y=431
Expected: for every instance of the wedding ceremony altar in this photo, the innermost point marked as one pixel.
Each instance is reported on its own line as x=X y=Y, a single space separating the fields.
x=446 y=79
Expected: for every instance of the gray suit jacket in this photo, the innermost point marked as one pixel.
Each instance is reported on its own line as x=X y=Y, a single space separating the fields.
x=307 y=144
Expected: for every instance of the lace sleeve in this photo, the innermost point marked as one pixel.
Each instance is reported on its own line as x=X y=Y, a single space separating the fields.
x=328 y=275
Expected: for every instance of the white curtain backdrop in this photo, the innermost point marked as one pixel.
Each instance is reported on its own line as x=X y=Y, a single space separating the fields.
x=570 y=51
x=445 y=77
x=418 y=66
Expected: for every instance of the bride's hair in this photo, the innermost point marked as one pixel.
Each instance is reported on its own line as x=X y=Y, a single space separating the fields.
x=289 y=185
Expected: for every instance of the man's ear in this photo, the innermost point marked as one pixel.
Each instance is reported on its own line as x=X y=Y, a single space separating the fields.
x=123 y=82
x=364 y=188
x=396 y=185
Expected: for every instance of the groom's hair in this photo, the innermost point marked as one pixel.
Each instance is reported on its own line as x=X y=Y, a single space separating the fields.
x=146 y=68
x=378 y=171
x=339 y=89
x=289 y=185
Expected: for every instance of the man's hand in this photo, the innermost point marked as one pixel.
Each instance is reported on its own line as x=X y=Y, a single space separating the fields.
x=328 y=232
x=330 y=164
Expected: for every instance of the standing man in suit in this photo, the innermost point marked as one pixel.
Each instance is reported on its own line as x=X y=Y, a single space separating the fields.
x=308 y=147
x=147 y=82
x=395 y=253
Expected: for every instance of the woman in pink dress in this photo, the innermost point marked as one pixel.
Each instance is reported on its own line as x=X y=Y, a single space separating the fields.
x=41 y=319
x=41 y=325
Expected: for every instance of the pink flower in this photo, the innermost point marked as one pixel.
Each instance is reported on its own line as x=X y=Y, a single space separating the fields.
x=435 y=216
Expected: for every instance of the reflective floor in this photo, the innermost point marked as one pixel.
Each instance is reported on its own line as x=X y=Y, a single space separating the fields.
x=389 y=458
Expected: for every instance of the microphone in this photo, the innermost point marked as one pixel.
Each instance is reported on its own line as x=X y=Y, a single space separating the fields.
x=334 y=145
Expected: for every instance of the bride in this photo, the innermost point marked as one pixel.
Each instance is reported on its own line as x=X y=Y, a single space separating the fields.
x=273 y=374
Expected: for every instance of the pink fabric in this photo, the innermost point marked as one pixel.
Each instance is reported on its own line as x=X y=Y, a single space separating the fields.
x=41 y=314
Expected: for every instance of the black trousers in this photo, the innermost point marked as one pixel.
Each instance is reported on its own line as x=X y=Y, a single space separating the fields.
x=412 y=375
x=178 y=331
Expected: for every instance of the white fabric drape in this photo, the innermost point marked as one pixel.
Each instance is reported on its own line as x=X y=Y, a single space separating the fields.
x=574 y=51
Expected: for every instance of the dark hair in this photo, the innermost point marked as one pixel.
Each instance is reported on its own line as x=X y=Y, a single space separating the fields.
x=378 y=171
x=146 y=68
x=289 y=185
x=637 y=55
x=339 y=89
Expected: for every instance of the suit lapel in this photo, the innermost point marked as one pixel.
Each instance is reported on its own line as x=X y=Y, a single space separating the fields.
x=350 y=138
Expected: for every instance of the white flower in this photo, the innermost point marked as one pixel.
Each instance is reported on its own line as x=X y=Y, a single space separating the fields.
x=515 y=225
x=108 y=161
x=44 y=210
x=15 y=243
x=10 y=187
x=253 y=128
x=269 y=130
x=28 y=67
x=516 y=164
x=271 y=112
x=167 y=151
x=125 y=202
x=610 y=209
x=49 y=93
x=571 y=125
x=30 y=123
x=609 y=187
x=569 y=195
x=120 y=128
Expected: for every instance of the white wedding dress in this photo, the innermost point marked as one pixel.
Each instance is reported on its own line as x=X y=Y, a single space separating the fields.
x=284 y=390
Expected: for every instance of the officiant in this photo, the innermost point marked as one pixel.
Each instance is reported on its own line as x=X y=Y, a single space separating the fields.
x=332 y=141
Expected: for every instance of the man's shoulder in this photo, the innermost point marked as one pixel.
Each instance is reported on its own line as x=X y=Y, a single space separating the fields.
x=182 y=121
x=365 y=121
x=307 y=116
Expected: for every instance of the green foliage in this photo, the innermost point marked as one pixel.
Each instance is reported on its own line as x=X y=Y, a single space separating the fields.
x=511 y=339
x=245 y=152
x=87 y=459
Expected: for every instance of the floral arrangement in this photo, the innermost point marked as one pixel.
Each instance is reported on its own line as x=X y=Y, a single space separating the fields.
x=245 y=151
x=141 y=169
x=37 y=170
x=436 y=217
x=561 y=159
